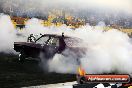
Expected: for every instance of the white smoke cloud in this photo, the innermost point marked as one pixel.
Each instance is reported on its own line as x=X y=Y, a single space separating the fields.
x=101 y=23
x=7 y=34
x=106 y=51
x=66 y=63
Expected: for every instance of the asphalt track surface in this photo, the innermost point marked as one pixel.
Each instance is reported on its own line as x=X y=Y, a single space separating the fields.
x=14 y=74
x=70 y=85
x=29 y=74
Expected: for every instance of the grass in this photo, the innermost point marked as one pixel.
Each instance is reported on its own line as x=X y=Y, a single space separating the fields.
x=14 y=74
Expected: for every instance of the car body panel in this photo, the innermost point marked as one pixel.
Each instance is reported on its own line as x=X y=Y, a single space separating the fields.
x=49 y=45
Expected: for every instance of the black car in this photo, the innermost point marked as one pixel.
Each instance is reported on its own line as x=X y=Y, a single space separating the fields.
x=47 y=45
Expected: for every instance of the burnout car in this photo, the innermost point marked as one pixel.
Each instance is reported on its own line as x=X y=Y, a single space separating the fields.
x=47 y=45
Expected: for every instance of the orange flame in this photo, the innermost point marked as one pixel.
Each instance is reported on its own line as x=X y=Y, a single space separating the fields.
x=81 y=71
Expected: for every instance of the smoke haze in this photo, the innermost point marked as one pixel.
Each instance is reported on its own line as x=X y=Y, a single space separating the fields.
x=106 y=51
x=41 y=7
x=7 y=33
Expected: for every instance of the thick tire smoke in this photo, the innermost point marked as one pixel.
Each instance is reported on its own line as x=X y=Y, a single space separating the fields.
x=7 y=34
x=105 y=51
